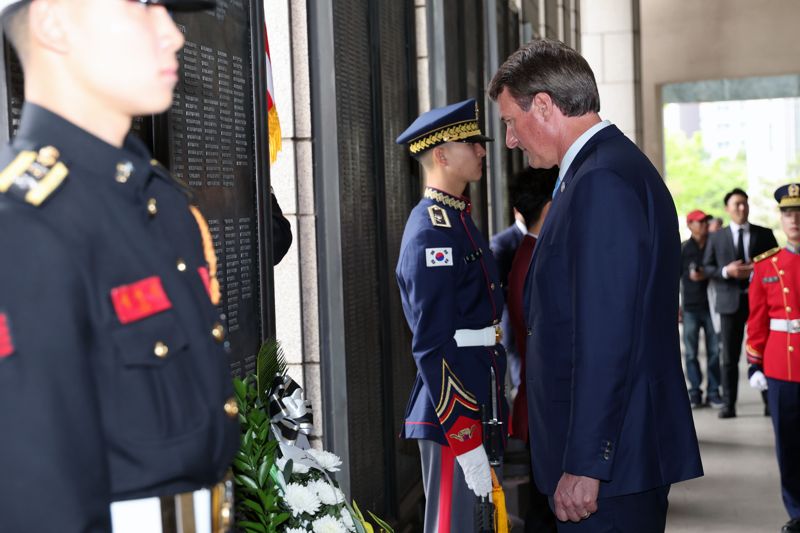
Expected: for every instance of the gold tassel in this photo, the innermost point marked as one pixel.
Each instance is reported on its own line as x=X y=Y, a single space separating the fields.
x=499 y=500
x=209 y=254
x=274 y=134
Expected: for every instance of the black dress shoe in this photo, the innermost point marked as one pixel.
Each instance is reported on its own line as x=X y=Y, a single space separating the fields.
x=792 y=526
x=727 y=412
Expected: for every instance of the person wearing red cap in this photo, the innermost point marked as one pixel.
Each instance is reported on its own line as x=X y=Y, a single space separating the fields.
x=696 y=314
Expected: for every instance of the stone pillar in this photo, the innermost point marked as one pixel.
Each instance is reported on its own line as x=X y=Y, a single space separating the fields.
x=609 y=42
x=296 y=295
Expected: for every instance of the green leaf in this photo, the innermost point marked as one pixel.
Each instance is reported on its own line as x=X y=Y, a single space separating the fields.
x=246 y=481
x=253 y=505
x=270 y=362
x=357 y=511
x=263 y=473
x=381 y=523
x=252 y=526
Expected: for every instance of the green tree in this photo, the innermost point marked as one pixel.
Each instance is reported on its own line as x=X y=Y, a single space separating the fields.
x=697 y=181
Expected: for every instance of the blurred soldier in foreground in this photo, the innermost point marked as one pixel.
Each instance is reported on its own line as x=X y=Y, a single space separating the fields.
x=115 y=396
x=453 y=302
x=773 y=345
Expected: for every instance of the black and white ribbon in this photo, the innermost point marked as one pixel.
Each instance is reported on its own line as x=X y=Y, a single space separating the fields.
x=289 y=411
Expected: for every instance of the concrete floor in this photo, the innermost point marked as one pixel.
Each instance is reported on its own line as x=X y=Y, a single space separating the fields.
x=740 y=492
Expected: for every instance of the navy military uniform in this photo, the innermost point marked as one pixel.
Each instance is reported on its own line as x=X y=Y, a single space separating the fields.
x=773 y=347
x=114 y=374
x=453 y=302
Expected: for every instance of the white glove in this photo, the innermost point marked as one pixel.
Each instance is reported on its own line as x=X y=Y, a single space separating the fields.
x=477 y=472
x=758 y=381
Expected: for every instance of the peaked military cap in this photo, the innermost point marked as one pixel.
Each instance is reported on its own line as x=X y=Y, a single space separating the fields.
x=9 y=6
x=455 y=122
x=788 y=195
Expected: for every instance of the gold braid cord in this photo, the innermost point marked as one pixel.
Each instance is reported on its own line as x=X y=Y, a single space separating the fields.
x=208 y=252
x=447 y=134
x=445 y=199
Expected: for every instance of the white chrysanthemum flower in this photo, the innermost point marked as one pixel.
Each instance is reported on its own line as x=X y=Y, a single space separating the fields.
x=297 y=468
x=327 y=460
x=327 y=524
x=327 y=493
x=347 y=520
x=301 y=499
x=294 y=530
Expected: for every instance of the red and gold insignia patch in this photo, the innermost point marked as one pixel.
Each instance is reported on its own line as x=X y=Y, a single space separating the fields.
x=139 y=300
x=6 y=344
x=464 y=435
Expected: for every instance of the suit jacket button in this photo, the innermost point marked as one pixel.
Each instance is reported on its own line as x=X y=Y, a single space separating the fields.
x=152 y=207
x=231 y=408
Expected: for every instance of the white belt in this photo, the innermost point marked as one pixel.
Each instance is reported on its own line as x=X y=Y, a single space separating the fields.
x=789 y=326
x=488 y=336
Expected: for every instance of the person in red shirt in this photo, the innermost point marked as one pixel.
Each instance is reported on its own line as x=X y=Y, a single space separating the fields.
x=773 y=345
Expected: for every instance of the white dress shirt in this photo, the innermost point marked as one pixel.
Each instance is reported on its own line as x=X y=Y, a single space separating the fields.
x=735 y=229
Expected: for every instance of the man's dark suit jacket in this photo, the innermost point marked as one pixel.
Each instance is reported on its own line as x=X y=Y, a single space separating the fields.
x=720 y=251
x=606 y=392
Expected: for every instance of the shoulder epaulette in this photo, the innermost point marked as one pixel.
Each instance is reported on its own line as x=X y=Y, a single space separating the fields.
x=765 y=255
x=33 y=176
x=439 y=217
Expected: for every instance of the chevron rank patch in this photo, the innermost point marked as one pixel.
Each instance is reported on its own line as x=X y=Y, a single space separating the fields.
x=33 y=176
x=439 y=257
x=6 y=343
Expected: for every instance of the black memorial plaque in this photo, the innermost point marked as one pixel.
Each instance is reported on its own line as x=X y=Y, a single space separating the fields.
x=208 y=141
x=210 y=137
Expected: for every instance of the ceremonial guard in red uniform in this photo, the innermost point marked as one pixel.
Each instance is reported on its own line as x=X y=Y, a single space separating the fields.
x=773 y=346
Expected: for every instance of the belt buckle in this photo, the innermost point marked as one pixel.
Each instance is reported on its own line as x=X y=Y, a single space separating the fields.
x=222 y=505
x=794 y=326
x=498 y=334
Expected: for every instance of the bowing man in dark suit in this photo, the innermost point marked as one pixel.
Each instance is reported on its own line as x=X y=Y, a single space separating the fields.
x=728 y=262
x=610 y=424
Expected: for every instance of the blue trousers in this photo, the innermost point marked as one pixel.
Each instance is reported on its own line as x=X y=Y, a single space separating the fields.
x=693 y=322
x=784 y=404
x=643 y=512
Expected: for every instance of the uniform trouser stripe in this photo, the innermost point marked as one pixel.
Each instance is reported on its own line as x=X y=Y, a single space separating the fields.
x=446 y=492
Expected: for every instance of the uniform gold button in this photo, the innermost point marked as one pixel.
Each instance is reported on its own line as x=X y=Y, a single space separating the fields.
x=791 y=348
x=218 y=332
x=788 y=309
x=786 y=290
x=48 y=156
x=181 y=265
x=124 y=170
x=231 y=408
x=774 y=259
x=152 y=207
x=161 y=350
x=491 y=286
x=780 y=272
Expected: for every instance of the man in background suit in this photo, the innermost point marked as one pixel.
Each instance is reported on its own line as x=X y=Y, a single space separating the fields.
x=611 y=427
x=504 y=246
x=728 y=262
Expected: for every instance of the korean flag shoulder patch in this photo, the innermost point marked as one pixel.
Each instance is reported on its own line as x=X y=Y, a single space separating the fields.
x=439 y=257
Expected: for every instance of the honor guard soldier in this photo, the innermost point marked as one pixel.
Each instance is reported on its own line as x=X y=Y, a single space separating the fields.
x=453 y=302
x=773 y=345
x=116 y=404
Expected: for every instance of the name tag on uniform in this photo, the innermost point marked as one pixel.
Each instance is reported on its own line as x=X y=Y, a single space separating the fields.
x=770 y=279
x=139 y=300
x=439 y=257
